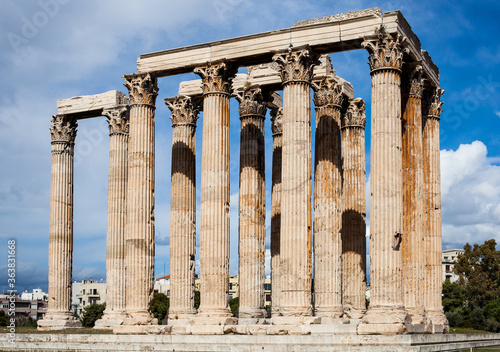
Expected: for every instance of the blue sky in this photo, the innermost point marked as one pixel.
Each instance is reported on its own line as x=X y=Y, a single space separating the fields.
x=53 y=49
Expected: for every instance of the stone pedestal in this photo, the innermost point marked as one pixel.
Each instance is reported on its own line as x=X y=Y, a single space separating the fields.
x=252 y=211
x=412 y=243
x=296 y=69
x=354 y=210
x=117 y=217
x=59 y=315
x=182 y=210
x=327 y=201
x=214 y=208
x=140 y=241
x=432 y=211
x=276 y=126
x=386 y=313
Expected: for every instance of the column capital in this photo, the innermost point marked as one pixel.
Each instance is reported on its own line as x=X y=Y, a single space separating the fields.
x=142 y=88
x=184 y=111
x=252 y=103
x=432 y=104
x=118 y=119
x=63 y=129
x=296 y=65
x=328 y=92
x=276 y=121
x=414 y=84
x=386 y=52
x=355 y=115
x=216 y=77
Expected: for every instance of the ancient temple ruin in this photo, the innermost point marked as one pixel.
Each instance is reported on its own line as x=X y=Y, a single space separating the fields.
x=405 y=225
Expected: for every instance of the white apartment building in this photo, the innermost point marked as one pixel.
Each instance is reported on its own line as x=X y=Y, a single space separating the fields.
x=448 y=260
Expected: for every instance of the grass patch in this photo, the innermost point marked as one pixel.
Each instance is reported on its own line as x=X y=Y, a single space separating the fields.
x=468 y=331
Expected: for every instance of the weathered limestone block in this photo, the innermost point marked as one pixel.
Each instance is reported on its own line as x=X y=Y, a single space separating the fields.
x=90 y=105
x=354 y=210
x=139 y=261
x=296 y=68
x=118 y=120
x=432 y=211
x=386 y=313
x=182 y=209
x=252 y=220
x=327 y=200
x=59 y=314
x=214 y=208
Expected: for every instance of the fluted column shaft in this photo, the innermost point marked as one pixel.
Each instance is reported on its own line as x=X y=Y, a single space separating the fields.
x=140 y=246
x=252 y=211
x=296 y=235
x=276 y=125
x=432 y=211
x=214 y=210
x=63 y=131
x=412 y=244
x=327 y=200
x=386 y=203
x=354 y=210
x=182 y=209
x=117 y=216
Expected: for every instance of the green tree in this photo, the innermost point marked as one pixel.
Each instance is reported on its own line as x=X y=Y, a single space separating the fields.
x=159 y=306
x=91 y=314
x=453 y=296
x=4 y=320
x=478 y=270
x=234 y=304
x=196 y=299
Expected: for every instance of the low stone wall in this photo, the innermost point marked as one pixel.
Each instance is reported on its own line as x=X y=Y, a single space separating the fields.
x=313 y=342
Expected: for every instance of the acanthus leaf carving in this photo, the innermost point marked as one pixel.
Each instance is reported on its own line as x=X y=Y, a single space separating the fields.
x=118 y=119
x=277 y=121
x=414 y=82
x=184 y=111
x=385 y=51
x=216 y=78
x=328 y=92
x=252 y=103
x=142 y=88
x=355 y=115
x=432 y=103
x=63 y=128
x=296 y=65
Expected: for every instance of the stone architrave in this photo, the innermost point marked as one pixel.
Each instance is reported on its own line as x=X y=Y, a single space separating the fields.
x=277 y=130
x=182 y=209
x=296 y=69
x=432 y=211
x=118 y=120
x=327 y=201
x=412 y=243
x=252 y=208
x=354 y=210
x=386 y=313
x=214 y=207
x=59 y=314
x=140 y=241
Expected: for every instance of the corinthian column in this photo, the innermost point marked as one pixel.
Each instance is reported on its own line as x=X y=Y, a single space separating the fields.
x=182 y=209
x=296 y=70
x=140 y=241
x=386 y=314
x=277 y=129
x=252 y=210
x=354 y=210
x=59 y=315
x=327 y=201
x=412 y=245
x=214 y=217
x=432 y=212
x=117 y=217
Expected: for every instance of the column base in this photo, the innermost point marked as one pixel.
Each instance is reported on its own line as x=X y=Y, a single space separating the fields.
x=438 y=321
x=109 y=320
x=142 y=329
x=334 y=313
x=296 y=311
x=251 y=313
x=140 y=318
x=354 y=313
x=384 y=321
x=180 y=316
x=292 y=320
x=58 y=321
x=253 y=321
x=208 y=320
x=419 y=323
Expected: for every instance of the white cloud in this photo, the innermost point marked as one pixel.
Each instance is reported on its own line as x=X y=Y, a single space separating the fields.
x=497 y=113
x=470 y=195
